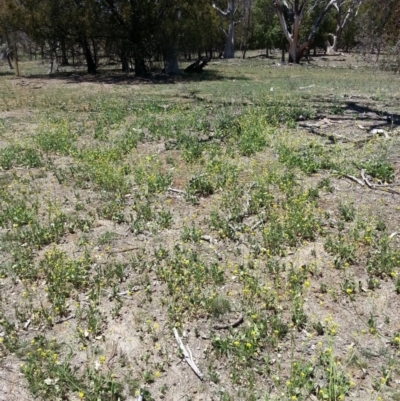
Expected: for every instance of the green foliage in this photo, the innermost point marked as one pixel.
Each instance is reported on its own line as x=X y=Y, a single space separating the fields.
x=309 y=159
x=379 y=169
x=16 y=155
x=56 y=136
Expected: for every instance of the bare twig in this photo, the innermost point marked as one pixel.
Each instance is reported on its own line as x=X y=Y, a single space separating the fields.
x=255 y=225
x=392 y=235
x=64 y=319
x=187 y=355
x=364 y=177
x=134 y=248
x=352 y=178
x=178 y=191
x=114 y=353
x=236 y=323
x=208 y=238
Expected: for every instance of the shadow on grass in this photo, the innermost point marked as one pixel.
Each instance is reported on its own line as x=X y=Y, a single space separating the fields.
x=117 y=77
x=385 y=118
x=6 y=73
x=349 y=108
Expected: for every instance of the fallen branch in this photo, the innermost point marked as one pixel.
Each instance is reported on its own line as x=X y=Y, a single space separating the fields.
x=208 y=238
x=352 y=178
x=364 y=177
x=255 y=225
x=306 y=87
x=187 y=354
x=371 y=186
x=198 y=65
x=178 y=191
x=236 y=323
x=64 y=319
x=135 y=248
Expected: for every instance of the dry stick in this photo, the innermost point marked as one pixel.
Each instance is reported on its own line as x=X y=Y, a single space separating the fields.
x=390 y=190
x=364 y=177
x=383 y=189
x=187 y=355
x=255 y=225
x=64 y=319
x=208 y=238
x=114 y=353
x=350 y=177
x=178 y=191
x=135 y=248
x=236 y=323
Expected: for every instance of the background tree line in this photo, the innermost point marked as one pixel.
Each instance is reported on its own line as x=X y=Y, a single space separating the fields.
x=135 y=34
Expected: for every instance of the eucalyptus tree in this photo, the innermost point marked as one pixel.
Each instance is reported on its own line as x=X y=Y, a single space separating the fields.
x=231 y=16
x=346 y=10
x=291 y=14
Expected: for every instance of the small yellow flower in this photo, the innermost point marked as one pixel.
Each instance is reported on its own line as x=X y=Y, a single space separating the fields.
x=81 y=394
x=157 y=374
x=236 y=343
x=102 y=359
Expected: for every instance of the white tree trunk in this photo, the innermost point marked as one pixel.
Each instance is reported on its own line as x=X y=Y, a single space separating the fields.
x=331 y=48
x=229 y=14
x=229 y=51
x=296 y=9
x=352 y=10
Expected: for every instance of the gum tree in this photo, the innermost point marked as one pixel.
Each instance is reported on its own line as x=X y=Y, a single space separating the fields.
x=345 y=11
x=290 y=14
x=229 y=14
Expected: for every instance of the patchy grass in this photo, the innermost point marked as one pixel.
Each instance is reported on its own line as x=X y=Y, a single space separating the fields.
x=224 y=205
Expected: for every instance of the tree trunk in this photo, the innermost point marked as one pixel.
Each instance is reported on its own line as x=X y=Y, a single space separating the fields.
x=331 y=48
x=64 y=57
x=140 y=66
x=124 y=63
x=229 y=51
x=15 y=60
x=91 y=65
x=297 y=10
x=229 y=14
x=171 y=61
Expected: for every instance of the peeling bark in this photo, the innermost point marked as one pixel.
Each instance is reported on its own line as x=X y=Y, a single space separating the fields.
x=229 y=14
x=341 y=20
x=296 y=10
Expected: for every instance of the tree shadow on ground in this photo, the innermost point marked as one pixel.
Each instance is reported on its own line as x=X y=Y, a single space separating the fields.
x=6 y=73
x=117 y=77
x=350 y=110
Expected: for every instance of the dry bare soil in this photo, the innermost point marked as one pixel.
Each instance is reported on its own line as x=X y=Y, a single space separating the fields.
x=255 y=209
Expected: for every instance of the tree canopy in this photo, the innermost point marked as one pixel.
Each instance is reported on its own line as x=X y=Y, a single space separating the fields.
x=137 y=33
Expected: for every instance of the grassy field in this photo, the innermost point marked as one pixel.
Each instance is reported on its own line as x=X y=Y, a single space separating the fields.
x=255 y=208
